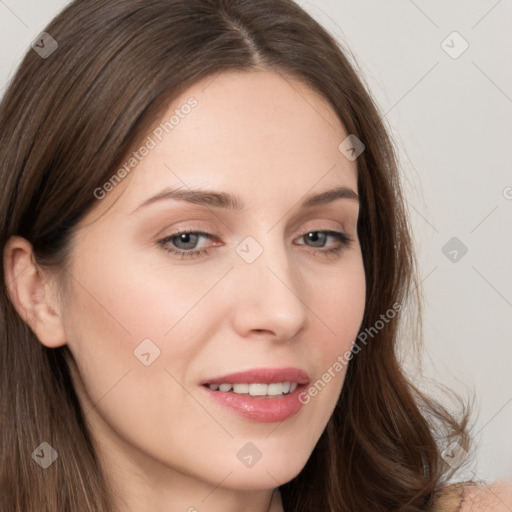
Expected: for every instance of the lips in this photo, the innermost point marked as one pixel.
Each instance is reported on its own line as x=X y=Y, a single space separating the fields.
x=268 y=408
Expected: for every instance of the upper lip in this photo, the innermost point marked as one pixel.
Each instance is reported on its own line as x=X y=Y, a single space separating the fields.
x=262 y=376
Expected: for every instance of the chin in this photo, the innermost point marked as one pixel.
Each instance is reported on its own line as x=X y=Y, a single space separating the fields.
x=260 y=482
x=264 y=475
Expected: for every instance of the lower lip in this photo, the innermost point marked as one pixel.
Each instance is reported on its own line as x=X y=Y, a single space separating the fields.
x=262 y=409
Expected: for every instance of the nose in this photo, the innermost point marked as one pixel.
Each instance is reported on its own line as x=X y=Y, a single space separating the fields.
x=269 y=296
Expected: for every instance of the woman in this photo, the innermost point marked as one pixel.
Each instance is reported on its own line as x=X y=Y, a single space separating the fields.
x=171 y=340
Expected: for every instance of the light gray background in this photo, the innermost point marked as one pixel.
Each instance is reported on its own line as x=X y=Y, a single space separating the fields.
x=451 y=119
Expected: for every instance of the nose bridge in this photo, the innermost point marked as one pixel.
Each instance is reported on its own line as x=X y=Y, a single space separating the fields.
x=267 y=257
x=268 y=291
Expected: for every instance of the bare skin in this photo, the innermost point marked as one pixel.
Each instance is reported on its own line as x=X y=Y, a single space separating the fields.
x=496 y=497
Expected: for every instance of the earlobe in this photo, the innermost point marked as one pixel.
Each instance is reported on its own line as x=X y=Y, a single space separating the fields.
x=30 y=293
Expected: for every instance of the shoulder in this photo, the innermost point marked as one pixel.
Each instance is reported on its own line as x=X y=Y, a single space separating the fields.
x=474 y=497
x=491 y=497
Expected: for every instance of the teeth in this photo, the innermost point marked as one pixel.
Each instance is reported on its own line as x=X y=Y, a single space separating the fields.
x=275 y=389
x=256 y=389
x=241 y=388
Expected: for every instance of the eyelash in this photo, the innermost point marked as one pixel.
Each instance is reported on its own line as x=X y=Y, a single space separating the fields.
x=344 y=240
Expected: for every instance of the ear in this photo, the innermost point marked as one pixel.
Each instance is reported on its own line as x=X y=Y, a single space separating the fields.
x=30 y=292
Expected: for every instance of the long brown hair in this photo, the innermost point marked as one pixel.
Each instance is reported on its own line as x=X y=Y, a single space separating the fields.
x=67 y=122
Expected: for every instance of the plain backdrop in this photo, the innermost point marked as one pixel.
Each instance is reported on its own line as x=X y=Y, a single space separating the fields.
x=441 y=74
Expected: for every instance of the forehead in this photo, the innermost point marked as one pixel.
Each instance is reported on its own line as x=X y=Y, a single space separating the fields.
x=259 y=134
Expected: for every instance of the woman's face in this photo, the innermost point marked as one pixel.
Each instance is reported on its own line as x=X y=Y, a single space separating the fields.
x=252 y=292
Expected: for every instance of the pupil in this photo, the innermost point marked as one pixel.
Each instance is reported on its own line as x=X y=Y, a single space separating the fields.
x=185 y=238
x=314 y=236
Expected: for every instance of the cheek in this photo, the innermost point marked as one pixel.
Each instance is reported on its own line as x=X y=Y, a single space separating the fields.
x=125 y=328
x=127 y=300
x=341 y=308
x=140 y=396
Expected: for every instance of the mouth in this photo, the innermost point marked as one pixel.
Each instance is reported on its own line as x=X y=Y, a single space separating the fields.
x=264 y=395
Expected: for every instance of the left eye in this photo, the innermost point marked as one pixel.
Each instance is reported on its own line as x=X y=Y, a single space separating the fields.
x=186 y=239
x=183 y=242
x=313 y=236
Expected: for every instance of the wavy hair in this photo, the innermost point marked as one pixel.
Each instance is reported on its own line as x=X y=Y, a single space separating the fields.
x=68 y=120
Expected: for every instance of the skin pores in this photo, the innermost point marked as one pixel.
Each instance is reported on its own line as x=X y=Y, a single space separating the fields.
x=165 y=443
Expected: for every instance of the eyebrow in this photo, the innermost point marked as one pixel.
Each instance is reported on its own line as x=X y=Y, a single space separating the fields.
x=233 y=202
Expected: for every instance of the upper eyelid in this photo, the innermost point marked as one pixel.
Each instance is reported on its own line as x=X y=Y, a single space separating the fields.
x=212 y=231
